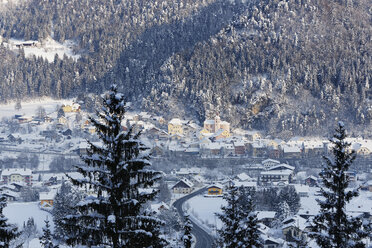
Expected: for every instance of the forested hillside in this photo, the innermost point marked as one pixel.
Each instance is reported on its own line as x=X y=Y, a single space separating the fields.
x=288 y=67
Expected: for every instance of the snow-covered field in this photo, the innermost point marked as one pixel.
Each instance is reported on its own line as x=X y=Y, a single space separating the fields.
x=204 y=209
x=29 y=107
x=20 y=212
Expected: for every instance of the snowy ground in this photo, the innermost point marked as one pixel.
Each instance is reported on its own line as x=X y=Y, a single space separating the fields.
x=204 y=209
x=18 y=213
x=29 y=107
x=362 y=203
x=47 y=49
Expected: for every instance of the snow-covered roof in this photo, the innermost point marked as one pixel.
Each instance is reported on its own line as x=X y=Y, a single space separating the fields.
x=212 y=145
x=47 y=195
x=210 y=122
x=296 y=221
x=186 y=171
x=177 y=121
x=16 y=171
x=238 y=143
x=215 y=185
x=277 y=172
x=270 y=161
x=245 y=184
x=186 y=181
x=265 y=214
x=286 y=166
x=10 y=193
x=291 y=149
x=243 y=177
x=301 y=188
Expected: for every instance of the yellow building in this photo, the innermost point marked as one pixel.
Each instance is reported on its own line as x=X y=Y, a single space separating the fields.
x=71 y=108
x=175 y=126
x=215 y=190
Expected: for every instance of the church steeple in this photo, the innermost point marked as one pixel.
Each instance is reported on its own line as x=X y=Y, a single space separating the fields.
x=217 y=123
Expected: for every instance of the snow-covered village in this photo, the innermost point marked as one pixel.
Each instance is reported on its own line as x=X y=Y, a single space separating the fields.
x=185 y=124
x=45 y=142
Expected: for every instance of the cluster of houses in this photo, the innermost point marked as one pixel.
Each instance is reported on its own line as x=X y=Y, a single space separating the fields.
x=216 y=139
x=15 y=179
x=177 y=137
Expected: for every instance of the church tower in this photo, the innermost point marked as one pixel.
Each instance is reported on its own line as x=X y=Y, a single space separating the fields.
x=217 y=123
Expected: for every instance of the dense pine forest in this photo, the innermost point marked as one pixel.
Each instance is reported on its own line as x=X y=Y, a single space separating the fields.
x=289 y=67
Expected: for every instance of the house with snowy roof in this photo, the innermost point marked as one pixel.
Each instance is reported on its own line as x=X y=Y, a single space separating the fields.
x=175 y=126
x=292 y=151
x=17 y=175
x=10 y=195
x=239 y=148
x=302 y=190
x=47 y=199
x=311 y=181
x=266 y=217
x=250 y=186
x=276 y=177
x=294 y=228
x=258 y=148
x=271 y=242
x=215 y=189
x=243 y=177
x=313 y=147
x=183 y=186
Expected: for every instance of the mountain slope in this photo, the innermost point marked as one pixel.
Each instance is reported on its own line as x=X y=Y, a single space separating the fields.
x=288 y=67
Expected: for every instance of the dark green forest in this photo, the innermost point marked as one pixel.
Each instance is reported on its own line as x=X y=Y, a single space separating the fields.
x=290 y=67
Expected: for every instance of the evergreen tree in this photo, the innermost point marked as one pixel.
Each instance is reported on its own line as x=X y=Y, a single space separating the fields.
x=117 y=171
x=46 y=238
x=7 y=232
x=332 y=227
x=282 y=213
x=187 y=237
x=18 y=105
x=290 y=195
x=29 y=229
x=64 y=204
x=249 y=221
x=240 y=227
x=60 y=112
x=164 y=192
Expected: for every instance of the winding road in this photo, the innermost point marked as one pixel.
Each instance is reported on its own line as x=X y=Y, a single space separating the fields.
x=203 y=239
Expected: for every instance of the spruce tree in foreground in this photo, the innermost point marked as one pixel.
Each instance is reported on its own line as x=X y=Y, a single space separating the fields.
x=240 y=224
x=332 y=227
x=117 y=171
x=7 y=232
x=187 y=237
